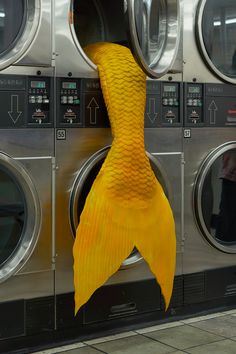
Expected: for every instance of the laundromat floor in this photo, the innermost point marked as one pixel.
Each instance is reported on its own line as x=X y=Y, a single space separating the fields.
x=215 y=333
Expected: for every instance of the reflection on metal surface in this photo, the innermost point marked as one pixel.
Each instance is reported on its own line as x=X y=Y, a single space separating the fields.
x=216 y=24
x=83 y=184
x=215 y=196
x=27 y=216
x=154 y=28
x=19 y=23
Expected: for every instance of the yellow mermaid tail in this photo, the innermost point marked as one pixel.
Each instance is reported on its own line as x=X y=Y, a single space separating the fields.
x=126 y=206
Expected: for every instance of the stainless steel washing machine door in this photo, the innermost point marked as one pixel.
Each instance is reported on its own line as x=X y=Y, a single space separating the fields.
x=20 y=216
x=19 y=22
x=215 y=198
x=153 y=28
x=216 y=33
x=83 y=183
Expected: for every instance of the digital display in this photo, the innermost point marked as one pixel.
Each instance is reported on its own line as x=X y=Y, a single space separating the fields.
x=69 y=85
x=169 y=88
x=38 y=84
x=194 y=89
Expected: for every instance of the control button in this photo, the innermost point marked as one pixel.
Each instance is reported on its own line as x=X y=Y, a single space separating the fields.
x=70 y=99
x=190 y=102
x=76 y=100
x=165 y=102
x=176 y=102
x=63 y=99
x=171 y=102
x=195 y=103
x=46 y=100
x=31 y=99
x=199 y=103
x=39 y=99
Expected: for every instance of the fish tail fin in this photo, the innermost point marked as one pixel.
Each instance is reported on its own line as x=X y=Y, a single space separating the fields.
x=101 y=245
x=159 y=247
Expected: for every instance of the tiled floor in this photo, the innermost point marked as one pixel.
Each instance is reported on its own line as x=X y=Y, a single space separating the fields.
x=211 y=334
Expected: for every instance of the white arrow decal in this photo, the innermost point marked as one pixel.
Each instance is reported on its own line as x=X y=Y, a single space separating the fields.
x=152 y=114
x=93 y=107
x=212 y=108
x=14 y=113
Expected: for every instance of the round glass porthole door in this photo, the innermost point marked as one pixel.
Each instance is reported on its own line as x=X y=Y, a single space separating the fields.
x=83 y=184
x=19 y=216
x=215 y=198
x=18 y=25
x=153 y=29
x=216 y=31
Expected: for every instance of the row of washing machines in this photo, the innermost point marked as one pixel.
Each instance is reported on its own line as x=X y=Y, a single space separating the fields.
x=54 y=137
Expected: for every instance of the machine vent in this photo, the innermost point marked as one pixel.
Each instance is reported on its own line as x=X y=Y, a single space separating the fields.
x=230 y=290
x=122 y=300
x=40 y=315
x=12 y=316
x=194 y=288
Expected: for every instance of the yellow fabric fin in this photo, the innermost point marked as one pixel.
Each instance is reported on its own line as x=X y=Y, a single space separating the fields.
x=126 y=206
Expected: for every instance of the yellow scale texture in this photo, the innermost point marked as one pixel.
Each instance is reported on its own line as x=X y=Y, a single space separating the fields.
x=126 y=206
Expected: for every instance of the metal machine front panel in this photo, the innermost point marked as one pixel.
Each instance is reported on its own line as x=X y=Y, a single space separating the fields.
x=80 y=104
x=214 y=197
x=31 y=261
x=28 y=204
x=27 y=142
x=200 y=254
x=154 y=33
x=170 y=156
x=194 y=66
x=26 y=102
x=163 y=104
x=32 y=150
x=24 y=27
x=216 y=31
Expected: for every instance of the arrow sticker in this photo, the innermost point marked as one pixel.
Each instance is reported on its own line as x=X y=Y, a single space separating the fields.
x=93 y=107
x=14 y=113
x=152 y=114
x=212 y=108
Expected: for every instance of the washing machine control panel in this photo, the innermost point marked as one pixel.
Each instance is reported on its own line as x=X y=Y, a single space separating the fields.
x=163 y=104
x=80 y=104
x=210 y=105
x=69 y=101
x=25 y=101
x=39 y=101
x=194 y=104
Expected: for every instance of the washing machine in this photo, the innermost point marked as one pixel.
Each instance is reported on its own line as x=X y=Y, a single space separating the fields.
x=209 y=75
x=208 y=41
x=24 y=26
x=26 y=170
x=83 y=138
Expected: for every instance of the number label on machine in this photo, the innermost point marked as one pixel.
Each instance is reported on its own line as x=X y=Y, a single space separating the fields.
x=187 y=133
x=61 y=134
